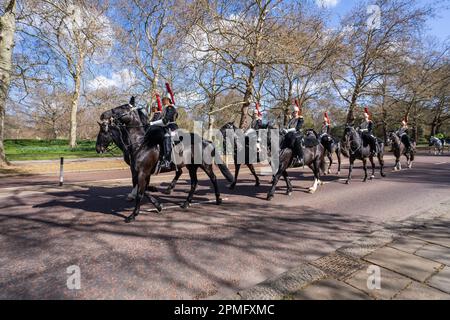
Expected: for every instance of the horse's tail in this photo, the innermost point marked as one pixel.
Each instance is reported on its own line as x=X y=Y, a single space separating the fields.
x=222 y=167
x=413 y=151
x=226 y=172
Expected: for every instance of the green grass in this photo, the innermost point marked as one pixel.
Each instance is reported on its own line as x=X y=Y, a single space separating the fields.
x=28 y=149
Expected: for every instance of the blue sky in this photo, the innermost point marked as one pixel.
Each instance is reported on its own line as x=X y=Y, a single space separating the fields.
x=439 y=27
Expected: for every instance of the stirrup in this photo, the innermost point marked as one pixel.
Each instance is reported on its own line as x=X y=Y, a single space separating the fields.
x=298 y=162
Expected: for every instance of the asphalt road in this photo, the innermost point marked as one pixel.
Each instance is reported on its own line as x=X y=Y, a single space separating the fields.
x=205 y=252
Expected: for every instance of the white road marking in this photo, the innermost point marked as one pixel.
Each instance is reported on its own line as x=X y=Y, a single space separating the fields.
x=441 y=163
x=177 y=206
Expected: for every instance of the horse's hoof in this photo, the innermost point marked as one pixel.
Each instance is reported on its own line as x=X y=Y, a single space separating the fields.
x=130 y=198
x=159 y=207
x=185 y=205
x=167 y=191
x=383 y=175
x=257 y=184
x=231 y=186
x=289 y=193
x=269 y=197
x=347 y=182
x=219 y=201
x=152 y=189
x=311 y=191
x=130 y=219
x=338 y=173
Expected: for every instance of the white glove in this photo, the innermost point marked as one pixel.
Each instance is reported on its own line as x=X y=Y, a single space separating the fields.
x=159 y=123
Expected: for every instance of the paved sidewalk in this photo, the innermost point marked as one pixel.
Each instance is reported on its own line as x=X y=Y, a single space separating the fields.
x=404 y=260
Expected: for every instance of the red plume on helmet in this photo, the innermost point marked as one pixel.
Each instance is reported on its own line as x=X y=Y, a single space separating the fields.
x=297 y=106
x=366 y=111
x=325 y=115
x=258 y=112
x=169 y=90
x=158 y=101
x=406 y=118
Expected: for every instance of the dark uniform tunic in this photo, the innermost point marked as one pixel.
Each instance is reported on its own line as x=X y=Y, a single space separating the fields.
x=403 y=134
x=326 y=129
x=256 y=124
x=156 y=116
x=169 y=116
x=297 y=124
x=367 y=135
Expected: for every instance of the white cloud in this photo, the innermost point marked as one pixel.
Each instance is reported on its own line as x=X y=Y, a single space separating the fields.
x=122 y=79
x=327 y=3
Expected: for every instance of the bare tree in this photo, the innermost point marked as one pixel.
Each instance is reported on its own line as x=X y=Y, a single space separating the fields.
x=372 y=40
x=73 y=31
x=7 y=30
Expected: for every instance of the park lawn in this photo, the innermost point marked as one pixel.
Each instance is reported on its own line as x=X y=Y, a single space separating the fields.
x=29 y=149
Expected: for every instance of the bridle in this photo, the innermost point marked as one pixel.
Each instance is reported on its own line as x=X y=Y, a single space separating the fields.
x=349 y=142
x=114 y=122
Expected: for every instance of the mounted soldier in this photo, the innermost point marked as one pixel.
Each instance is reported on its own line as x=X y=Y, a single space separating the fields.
x=157 y=109
x=296 y=125
x=403 y=134
x=255 y=125
x=326 y=126
x=168 y=119
x=366 y=130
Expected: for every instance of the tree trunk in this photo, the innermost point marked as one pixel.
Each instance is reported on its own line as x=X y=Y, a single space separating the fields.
x=351 y=109
x=433 y=128
x=74 y=107
x=248 y=94
x=7 y=30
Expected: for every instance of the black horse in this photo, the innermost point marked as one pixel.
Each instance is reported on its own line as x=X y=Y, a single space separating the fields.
x=245 y=147
x=119 y=136
x=312 y=154
x=144 y=149
x=399 y=148
x=331 y=145
x=354 y=148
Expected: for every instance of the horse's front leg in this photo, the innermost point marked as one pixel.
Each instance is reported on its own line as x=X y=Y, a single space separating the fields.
x=372 y=163
x=174 y=181
x=338 y=155
x=364 y=161
x=316 y=170
x=275 y=180
x=330 y=157
x=252 y=170
x=134 y=178
x=288 y=183
x=237 y=167
x=381 y=162
x=194 y=183
x=141 y=185
x=210 y=173
x=350 y=169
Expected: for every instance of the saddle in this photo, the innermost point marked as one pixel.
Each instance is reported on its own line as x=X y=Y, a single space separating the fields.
x=311 y=141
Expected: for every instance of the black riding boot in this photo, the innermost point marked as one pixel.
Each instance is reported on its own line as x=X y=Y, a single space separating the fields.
x=373 y=147
x=298 y=152
x=165 y=163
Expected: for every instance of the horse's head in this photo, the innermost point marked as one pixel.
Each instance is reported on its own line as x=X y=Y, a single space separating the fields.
x=110 y=122
x=104 y=136
x=230 y=128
